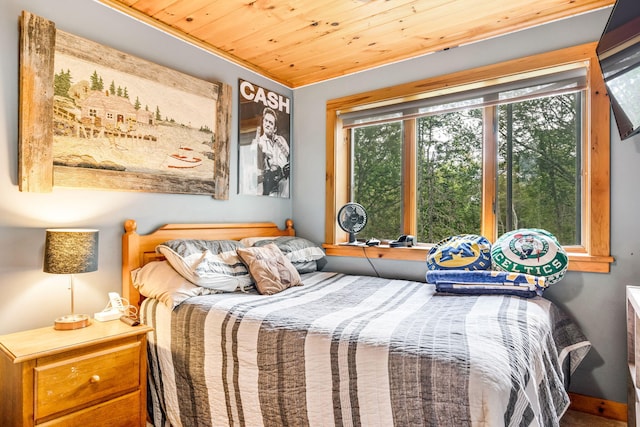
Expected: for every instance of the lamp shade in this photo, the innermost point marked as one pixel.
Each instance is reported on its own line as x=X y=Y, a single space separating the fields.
x=71 y=251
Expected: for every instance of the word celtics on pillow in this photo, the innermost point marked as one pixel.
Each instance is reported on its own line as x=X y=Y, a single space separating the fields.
x=530 y=251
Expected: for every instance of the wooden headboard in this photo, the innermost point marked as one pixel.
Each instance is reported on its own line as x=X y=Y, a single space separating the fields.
x=139 y=249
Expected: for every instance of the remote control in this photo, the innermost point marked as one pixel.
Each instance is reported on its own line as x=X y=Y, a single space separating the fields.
x=130 y=320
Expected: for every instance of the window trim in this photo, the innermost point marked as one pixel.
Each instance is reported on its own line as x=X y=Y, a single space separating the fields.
x=594 y=256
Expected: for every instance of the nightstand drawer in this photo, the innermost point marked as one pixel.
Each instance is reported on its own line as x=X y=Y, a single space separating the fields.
x=120 y=412
x=65 y=384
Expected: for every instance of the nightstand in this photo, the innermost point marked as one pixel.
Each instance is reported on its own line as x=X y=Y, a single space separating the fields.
x=91 y=376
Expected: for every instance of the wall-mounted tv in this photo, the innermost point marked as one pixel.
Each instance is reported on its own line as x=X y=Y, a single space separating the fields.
x=619 y=56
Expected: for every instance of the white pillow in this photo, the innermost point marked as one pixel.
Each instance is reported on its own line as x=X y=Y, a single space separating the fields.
x=159 y=280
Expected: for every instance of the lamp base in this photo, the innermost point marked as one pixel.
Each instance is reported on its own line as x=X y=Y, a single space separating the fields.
x=71 y=321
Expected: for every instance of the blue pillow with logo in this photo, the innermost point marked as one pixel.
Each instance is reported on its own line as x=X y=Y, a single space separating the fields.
x=530 y=251
x=460 y=252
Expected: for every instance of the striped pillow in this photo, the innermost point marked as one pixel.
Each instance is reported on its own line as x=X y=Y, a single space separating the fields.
x=211 y=264
x=305 y=255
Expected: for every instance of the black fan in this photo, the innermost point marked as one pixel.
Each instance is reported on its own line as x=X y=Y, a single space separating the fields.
x=352 y=218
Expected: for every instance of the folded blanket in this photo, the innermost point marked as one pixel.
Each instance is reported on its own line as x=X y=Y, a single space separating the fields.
x=486 y=282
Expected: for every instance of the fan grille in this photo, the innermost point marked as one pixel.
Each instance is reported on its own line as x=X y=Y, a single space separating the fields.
x=352 y=218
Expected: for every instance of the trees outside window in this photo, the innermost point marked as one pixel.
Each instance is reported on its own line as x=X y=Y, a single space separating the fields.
x=539 y=154
x=524 y=146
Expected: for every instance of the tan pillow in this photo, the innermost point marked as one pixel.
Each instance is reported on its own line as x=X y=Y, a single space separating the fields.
x=269 y=268
x=159 y=280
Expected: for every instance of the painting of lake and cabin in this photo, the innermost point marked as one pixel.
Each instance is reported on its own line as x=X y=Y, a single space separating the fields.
x=107 y=119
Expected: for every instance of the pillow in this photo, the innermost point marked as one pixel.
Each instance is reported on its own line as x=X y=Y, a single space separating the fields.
x=211 y=264
x=461 y=252
x=305 y=255
x=250 y=241
x=531 y=251
x=159 y=280
x=486 y=282
x=270 y=268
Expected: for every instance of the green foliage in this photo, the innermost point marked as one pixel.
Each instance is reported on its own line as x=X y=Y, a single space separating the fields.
x=545 y=181
x=96 y=81
x=377 y=178
x=449 y=161
x=62 y=83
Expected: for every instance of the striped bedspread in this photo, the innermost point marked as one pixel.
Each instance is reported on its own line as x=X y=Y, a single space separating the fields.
x=360 y=351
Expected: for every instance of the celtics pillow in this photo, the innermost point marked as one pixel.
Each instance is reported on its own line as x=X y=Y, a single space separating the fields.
x=461 y=252
x=530 y=251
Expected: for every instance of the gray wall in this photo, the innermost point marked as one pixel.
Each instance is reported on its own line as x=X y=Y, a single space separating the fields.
x=31 y=298
x=595 y=301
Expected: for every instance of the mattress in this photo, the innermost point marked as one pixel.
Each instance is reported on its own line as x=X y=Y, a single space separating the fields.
x=346 y=350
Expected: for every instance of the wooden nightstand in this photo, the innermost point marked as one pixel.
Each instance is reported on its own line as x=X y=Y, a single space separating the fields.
x=91 y=376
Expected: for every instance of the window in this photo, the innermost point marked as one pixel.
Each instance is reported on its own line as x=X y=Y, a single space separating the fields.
x=513 y=145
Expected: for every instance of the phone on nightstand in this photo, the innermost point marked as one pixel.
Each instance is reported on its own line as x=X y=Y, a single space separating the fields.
x=114 y=310
x=116 y=302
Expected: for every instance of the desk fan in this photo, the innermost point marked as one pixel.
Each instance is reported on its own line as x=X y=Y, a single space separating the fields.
x=352 y=218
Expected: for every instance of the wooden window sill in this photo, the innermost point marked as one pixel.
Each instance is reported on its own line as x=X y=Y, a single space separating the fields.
x=577 y=261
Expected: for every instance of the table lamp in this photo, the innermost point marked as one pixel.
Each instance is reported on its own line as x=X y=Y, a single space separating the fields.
x=71 y=251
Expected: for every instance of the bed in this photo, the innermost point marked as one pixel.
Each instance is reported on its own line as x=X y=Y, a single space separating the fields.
x=346 y=350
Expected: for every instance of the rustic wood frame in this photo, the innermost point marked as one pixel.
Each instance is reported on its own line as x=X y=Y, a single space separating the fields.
x=39 y=41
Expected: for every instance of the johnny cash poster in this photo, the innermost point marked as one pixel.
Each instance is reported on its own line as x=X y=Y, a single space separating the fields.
x=264 y=141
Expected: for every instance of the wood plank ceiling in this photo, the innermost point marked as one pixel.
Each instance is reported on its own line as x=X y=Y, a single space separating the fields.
x=301 y=42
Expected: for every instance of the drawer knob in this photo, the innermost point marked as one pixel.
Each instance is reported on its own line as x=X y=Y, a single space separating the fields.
x=94 y=379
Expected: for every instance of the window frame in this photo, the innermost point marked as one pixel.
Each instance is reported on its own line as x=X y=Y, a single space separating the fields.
x=592 y=256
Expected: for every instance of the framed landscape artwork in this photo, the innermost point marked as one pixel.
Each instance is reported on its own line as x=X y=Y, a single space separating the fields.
x=92 y=116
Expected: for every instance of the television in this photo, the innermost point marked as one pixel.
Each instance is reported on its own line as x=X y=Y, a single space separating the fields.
x=618 y=52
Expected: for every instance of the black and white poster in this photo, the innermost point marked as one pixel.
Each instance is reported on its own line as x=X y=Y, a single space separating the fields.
x=264 y=141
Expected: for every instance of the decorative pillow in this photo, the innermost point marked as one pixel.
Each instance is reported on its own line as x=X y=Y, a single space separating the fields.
x=208 y=263
x=250 y=241
x=270 y=268
x=483 y=282
x=531 y=251
x=305 y=255
x=461 y=252
x=159 y=280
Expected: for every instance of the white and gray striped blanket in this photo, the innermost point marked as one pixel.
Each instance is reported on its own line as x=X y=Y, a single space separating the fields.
x=360 y=351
